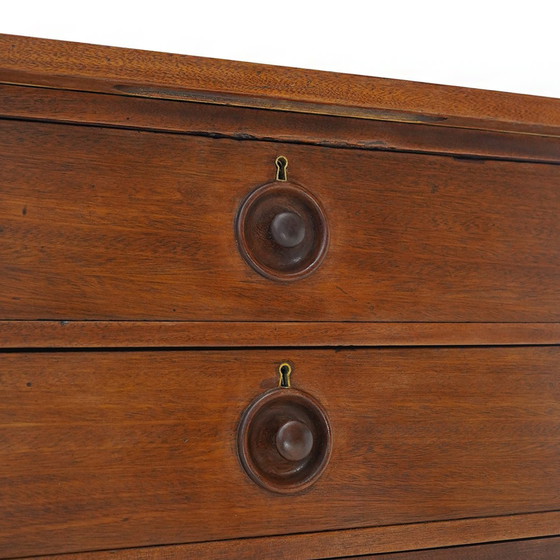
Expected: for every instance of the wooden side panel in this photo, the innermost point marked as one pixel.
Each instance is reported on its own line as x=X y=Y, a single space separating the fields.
x=104 y=450
x=116 y=224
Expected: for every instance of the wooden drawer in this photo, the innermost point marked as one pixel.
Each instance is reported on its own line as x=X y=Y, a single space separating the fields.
x=100 y=223
x=107 y=449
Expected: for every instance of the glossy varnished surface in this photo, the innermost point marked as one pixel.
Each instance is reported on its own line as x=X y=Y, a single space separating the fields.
x=114 y=224
x=120 y=449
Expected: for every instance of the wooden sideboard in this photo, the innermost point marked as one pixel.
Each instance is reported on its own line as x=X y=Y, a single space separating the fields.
x=261 y=312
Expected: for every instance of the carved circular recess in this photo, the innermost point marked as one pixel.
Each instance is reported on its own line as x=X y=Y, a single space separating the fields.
x=284 y=440
x=282 y=231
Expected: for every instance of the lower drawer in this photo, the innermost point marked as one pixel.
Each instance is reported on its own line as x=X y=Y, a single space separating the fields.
x=102 y=450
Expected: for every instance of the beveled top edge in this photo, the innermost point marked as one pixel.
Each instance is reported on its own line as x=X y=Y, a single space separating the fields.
x=122 y=71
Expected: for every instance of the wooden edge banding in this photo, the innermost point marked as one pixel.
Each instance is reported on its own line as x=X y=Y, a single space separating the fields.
x=68 y=65
x=349 y=542
x=22 y=102
x=152 y=334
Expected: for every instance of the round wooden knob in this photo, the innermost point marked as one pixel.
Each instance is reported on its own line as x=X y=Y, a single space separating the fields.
x=294 y=441
x=282 y=231
x=287 y=229
x=284 y=440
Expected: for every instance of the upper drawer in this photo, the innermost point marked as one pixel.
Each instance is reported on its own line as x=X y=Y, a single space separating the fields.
x=99 y=223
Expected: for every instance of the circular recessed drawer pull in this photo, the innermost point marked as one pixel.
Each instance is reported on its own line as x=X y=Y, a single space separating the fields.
x=284 y=440
x=282 y=230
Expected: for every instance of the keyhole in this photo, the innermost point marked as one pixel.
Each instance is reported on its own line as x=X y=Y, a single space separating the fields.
x=285 y=370
x=281 y=168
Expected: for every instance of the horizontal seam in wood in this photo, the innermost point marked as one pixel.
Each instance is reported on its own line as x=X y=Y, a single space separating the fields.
x=318 y=533
x=274 y=109
x=296 y=106
x=254 y=138
x=64 y=322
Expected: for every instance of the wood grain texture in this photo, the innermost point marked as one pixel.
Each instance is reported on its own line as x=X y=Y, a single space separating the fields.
x=311 y=546
x=79 y=66
x=104 y=450
x=535 y=549
x=122 y=225
x=197 y=334
x=269 y=125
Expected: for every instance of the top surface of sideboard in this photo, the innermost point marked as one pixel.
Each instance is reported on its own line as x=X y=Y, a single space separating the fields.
x=77 y=66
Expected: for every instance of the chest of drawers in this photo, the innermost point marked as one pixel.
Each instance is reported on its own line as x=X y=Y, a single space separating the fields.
x=258 y=312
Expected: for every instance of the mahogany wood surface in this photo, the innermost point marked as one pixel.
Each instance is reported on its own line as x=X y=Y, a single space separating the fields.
x=535 y=549
x=114 y=224
x=105 y=449
x=281 y=230
x=337 y=544
x=269 y=125
x=67 y=65
x=197 y=334
x=121 y=176
x=284 y=439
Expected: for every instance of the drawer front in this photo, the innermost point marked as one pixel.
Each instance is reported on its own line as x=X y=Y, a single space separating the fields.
x=115 y=224
x=102 y=450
